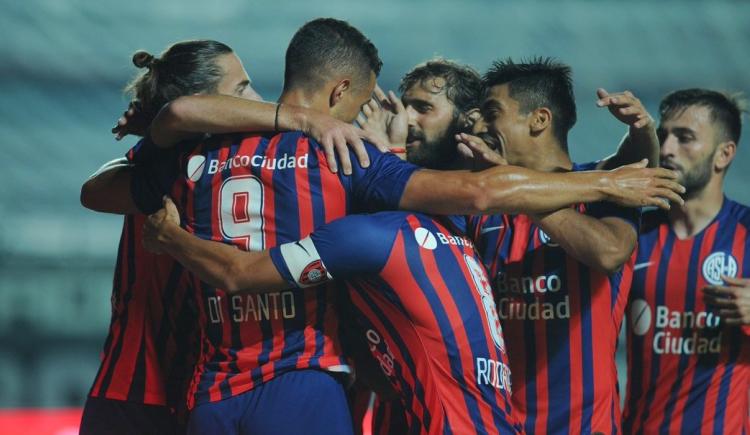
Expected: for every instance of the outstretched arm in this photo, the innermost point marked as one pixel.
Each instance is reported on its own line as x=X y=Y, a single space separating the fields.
x=189 y=116
x=512 y=189
x=217 y=264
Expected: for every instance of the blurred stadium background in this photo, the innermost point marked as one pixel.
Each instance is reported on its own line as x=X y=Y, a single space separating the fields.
x=64 y=64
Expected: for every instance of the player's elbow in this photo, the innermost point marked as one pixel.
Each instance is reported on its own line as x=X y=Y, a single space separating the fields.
x=611 y=259
x=91 y=195
x=607 y=265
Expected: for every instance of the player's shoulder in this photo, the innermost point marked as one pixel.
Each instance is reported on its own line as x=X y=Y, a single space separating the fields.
x=363 y=238
x=299 y=137
x=368 y=229
x=737 y=211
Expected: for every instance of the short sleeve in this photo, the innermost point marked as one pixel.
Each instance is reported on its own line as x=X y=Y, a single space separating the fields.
x=345 y=248
x=381 y=185
x=607 y=209
x=153 y=178
x=143 y=151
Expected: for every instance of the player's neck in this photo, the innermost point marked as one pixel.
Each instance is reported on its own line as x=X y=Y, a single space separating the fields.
x=550 y=158
x=300 y=98
x=698 y=211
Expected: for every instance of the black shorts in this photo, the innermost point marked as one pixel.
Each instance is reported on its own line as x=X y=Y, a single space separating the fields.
x=118 y=417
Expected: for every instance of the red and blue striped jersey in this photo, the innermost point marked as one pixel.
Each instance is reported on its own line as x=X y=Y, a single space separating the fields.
x=426 y=306
x=687 y=373
x=150 y=350
x=561 y=320
x=256 y=192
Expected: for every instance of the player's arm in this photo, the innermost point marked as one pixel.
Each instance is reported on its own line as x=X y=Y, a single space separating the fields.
x=190 y=116
x=218 y=264
x=108 y=189
x=286 y=266
x=603 y=243
x=512 y=189
x=641 y=142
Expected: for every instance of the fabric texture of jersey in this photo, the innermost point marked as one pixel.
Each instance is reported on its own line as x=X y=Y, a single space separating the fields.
x=266 y=409
x=687 y=372
x=150 y=350
x=427 y=308
x=561 y=320
x=256 y=192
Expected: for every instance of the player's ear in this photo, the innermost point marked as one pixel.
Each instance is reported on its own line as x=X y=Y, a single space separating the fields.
x=338 y=91
x=724 y=155
x=539 y=120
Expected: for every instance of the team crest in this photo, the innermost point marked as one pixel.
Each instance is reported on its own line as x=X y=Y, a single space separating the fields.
x=313 y=273
x=718 y=264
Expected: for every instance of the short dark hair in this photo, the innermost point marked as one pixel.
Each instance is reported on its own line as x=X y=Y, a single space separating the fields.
x=538 y=82
x=463 y=85
x=326 y=45
x=184 y=68
x=726 y=110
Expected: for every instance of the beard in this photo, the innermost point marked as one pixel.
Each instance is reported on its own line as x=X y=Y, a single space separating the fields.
x=439 y=153
x=696 y=178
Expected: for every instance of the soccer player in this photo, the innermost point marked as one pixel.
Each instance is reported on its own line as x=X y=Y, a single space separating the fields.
x=420 y=290
x=562 y=278
x=146 y=363
x=688 y=360
x=259 y=191
x=440 y=99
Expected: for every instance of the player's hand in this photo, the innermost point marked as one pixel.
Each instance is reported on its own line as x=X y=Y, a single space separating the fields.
x=476 y=149
x=635 y=185
x=385 y=118
x=157 y=224
x=731 y=302
x=626 y=108
x=132 y=122
x=337 y=137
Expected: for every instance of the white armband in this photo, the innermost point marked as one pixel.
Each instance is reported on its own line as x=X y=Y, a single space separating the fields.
x=304 y=263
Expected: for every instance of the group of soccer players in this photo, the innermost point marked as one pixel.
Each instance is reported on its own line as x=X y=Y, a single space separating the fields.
x=267 y=283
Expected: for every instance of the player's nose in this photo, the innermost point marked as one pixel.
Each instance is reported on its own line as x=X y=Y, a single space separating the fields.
x=668 y=146
x=479 y=126
x=411 y=115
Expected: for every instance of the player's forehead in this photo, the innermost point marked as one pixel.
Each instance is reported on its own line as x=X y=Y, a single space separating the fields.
x=431 y=90
x=693 y=118
x=233 y=69
x=499 y=95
